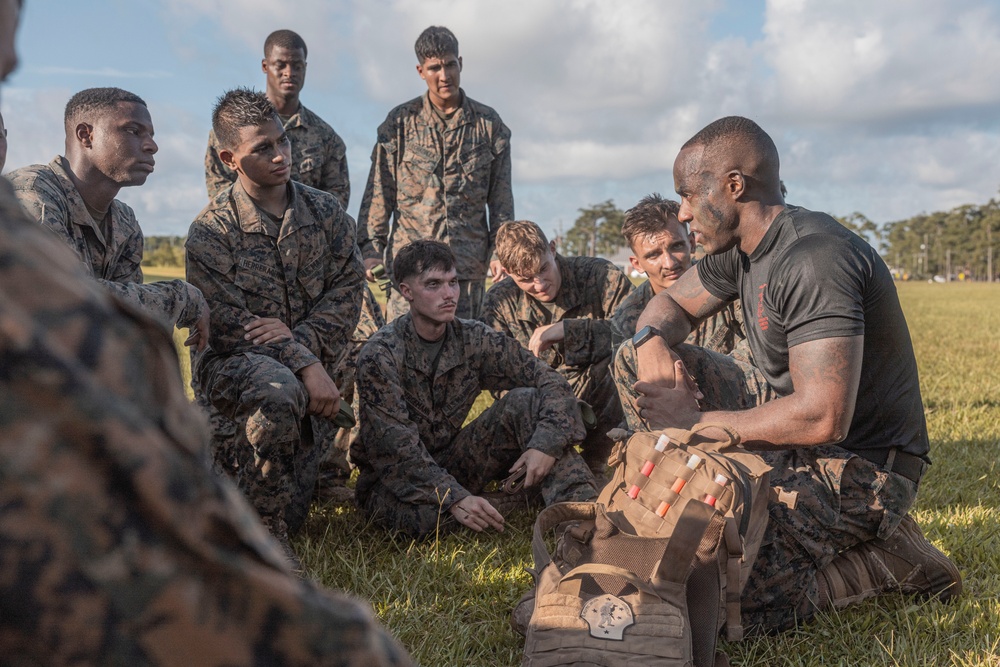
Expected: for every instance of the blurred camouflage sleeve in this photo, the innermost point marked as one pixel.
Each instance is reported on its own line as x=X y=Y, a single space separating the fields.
x=391 y=441
x=501 y=196
x=587 y=341
x=506 y=365
x=218 y=176
x=328 y=328
x=335 y=179
x=118 y=544
x=379 y=201
x=175 y=302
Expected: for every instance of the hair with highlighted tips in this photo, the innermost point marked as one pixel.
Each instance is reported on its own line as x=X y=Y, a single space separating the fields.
x=239 y=108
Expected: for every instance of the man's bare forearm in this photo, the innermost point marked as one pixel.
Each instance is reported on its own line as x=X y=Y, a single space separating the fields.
x=665 y=314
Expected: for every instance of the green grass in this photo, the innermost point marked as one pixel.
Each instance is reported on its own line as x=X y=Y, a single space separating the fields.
x=448 y=599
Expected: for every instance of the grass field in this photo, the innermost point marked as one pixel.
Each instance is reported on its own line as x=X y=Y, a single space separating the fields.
x=448 y=599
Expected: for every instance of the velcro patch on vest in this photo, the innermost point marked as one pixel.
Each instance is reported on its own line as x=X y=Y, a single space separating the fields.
x=607 y=616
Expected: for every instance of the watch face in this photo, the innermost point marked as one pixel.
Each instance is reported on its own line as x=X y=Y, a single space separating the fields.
x=643 y=335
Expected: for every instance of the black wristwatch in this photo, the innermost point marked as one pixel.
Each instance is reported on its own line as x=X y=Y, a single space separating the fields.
x=643 y=335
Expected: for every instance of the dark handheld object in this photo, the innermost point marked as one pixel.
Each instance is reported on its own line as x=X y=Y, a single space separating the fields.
x=515 y=482
x=345 y=417
x=383 y=281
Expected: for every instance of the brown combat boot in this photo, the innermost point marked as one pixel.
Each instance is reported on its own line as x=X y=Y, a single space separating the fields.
x=905 y=562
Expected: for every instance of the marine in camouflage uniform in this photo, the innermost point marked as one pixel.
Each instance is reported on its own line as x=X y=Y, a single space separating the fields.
x=319 y=158
x=118 y=545
x=591 y=291
x=335 y=467
x=415 y=457
x=305 y=271
x=435 y=174
x=112 y=254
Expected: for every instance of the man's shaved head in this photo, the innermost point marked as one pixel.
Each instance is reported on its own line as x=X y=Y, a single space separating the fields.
x=737 y=143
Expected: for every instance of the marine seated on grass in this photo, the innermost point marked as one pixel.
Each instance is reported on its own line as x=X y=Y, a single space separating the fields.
x=557 y=308
x=418 y=378
x=662 y=248
x=278 y=262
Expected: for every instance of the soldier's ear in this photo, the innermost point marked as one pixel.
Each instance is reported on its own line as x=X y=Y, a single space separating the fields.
x=84 y=134
x=735 y=184
x=405 y=292
x=227 y=158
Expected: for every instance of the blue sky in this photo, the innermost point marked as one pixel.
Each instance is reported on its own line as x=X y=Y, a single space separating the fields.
x=887 y=108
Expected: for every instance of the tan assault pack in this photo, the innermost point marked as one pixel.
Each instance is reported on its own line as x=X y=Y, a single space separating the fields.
x=650 y=573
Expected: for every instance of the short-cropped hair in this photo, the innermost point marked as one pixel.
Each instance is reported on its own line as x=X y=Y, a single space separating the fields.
x=521 y=245
x=286 y=39
x=239 y=108
x=419 y=256
x=652 y=215
x=95 y=100
x=435 y=42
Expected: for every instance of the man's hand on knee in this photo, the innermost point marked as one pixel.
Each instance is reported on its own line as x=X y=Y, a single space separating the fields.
x=263 y=330
x=477 y=513
x=324 y=397
x=675 y=405
x=538 y=465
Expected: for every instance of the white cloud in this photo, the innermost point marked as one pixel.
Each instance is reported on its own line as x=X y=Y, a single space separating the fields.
x=882 y=107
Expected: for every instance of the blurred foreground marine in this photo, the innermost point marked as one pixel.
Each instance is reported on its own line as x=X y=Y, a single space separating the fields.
x=117 y=545
x=846 y=434
x=418 y=378
x=279 y=266
x=109 y=145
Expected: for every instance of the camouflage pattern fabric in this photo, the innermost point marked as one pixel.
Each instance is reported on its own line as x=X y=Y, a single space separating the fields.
x=592 y=290
x=335 y=465
x=305 y=271
x=112 y=255
x=722 y=333
x=415 y=458
x=319 y=158
x=118 y=546
x=435 y=178
x=842 y=499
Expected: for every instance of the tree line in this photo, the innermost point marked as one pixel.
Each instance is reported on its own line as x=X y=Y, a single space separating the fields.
x=958 y=243
x=961 y=242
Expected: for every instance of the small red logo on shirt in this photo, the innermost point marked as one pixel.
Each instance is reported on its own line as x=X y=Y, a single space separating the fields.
x=761 y=315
